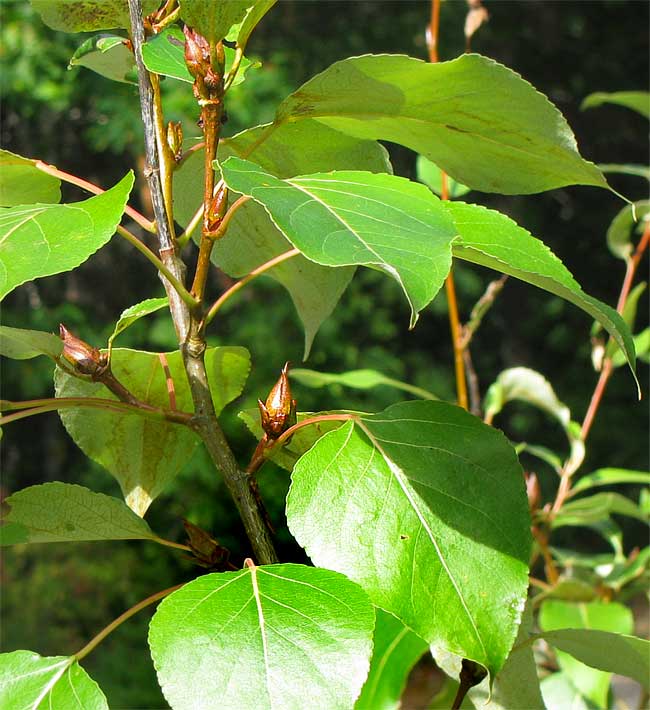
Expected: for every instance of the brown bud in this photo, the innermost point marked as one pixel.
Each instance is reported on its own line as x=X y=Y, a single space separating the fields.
x=84 y=358
x=278 y=413
x=217 y=209
x=532 y=491
x=175 y=139
x=197 y=52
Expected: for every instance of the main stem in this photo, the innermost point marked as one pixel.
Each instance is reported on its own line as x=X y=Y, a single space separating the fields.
x=191 y=341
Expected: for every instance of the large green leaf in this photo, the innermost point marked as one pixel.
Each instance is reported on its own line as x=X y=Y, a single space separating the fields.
x=164 y=54
x=108 y=56
x=144 y=455
x=21 y=182
x=358 y=218
x=213 y=19
x=396 y=649
x=555 y=614
x=41 y=240
x=638 y=101
x=420 y=505
x=279 y=636
x=477 y=120
x=491 y=239
x=20 y=344
x=63 y=512
x=32 y=682
x=252 y=238
x=88 y=15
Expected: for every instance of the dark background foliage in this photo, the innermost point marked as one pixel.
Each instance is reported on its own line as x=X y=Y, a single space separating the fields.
x=56 y=596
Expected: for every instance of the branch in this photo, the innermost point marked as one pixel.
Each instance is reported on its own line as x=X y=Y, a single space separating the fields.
x=191 y=341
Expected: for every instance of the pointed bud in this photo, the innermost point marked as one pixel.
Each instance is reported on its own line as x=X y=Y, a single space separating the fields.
x=175 y=139
x=85 y=359
x=197 y=52
x=217 y=209
x=278 y=413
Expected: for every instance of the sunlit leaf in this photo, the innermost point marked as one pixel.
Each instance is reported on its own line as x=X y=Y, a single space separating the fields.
x=610 y=477
x=358 y=218
x=420 y=504
x=63 y=512
x=491 y=239
x=431 y=175
x=626 y=169
x=241 y=32
x=21 y=182
x=477 y=120
x=620 y=232
x=41 y=240
x=32 y=682
x=279 y=636
x=597 y=507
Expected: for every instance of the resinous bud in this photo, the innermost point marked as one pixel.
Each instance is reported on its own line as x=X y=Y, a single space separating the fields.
x=84 y=358
x=197 y=52
x=278 y=413
x=175 y=139
x=217 y=209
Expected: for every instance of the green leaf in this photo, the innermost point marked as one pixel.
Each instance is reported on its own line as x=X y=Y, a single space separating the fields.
x=526 y=385
x=63 y=512
x=163 y=55
x=619 y=234
x=639 y=170
x=395 y=651
x=420 y=505
x=610 y=477
x=457 y=114
x=88 y=15
x=431 y=175
x=279 y=636
x=22 y=182
x=638 y=101
x=32 y=682
x=555 y=614
x=358 y=218
x=213 y=19
x=597 y=507
x=252 y=238
x=611 y=652
x=632 y=568
x=20 y=344
x=641 y=346
x=287 y=455
x=134 y=313
x=516 y=685
x=144 y=455
x=108 y=56
x=41 y=240
x=356 y=379
x=240 y=33
x=491 y=239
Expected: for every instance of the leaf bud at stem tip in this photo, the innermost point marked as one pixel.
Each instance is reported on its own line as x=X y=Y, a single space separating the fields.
x=175 y=139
